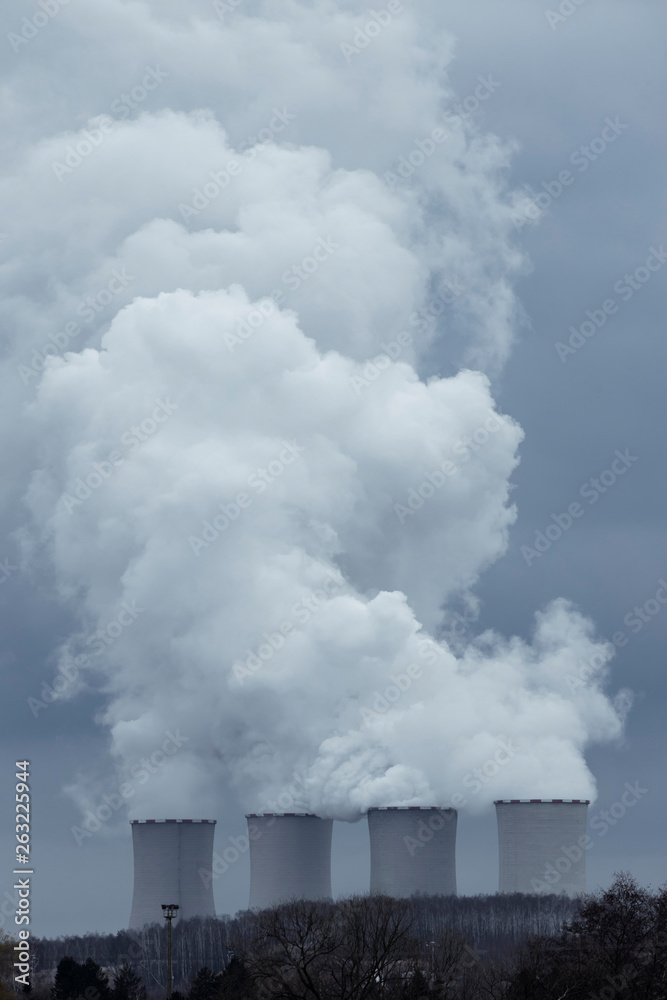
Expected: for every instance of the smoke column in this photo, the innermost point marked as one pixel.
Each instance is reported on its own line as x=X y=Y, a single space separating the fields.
x=256 y=489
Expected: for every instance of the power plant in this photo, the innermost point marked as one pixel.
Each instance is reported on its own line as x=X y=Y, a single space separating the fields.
x=413 y=849
x=542 y=849
x=169 y=856
x=542 y=845
x=290 y=857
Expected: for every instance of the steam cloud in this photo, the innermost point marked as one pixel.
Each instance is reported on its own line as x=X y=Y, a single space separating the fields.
x=256 y=492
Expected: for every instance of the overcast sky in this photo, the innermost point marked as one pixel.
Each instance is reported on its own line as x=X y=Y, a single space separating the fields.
x=470 y=195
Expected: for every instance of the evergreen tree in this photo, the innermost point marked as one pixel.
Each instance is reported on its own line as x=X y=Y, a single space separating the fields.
x=235 y=981
x=95 y=982
x=128 y=985
x=75 y=981
x=66 y=982
x=205 y=986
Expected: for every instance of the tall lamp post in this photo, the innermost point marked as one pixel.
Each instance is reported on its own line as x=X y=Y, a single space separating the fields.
x=169 y=912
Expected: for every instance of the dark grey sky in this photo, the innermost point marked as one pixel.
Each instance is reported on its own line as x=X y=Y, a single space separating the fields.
x=559 y=85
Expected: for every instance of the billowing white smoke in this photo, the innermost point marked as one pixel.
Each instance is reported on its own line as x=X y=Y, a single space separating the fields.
x=256 y=496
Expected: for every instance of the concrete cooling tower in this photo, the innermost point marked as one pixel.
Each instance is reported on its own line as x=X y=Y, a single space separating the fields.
x=168 y=856
x=542 y=845
x=290 y=856
x=413 y=850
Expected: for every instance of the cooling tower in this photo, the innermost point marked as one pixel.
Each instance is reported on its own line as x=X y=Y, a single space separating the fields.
x=542 y=845
x=290 y=856
x=413 y=850
x=168 y=857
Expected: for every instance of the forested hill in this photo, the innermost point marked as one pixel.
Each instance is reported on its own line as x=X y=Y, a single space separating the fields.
x=494 y=923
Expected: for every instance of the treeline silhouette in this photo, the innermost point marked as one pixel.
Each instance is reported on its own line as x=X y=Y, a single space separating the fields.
x=610 y=944
x=487 y=922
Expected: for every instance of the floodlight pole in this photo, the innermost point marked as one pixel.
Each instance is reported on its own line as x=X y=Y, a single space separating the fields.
x=169 y=912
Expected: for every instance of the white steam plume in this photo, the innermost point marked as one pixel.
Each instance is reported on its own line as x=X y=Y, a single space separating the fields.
x=254 y=492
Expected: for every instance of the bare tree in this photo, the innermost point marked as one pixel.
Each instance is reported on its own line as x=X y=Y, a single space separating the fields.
x=449 y=956
x=353 y=950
